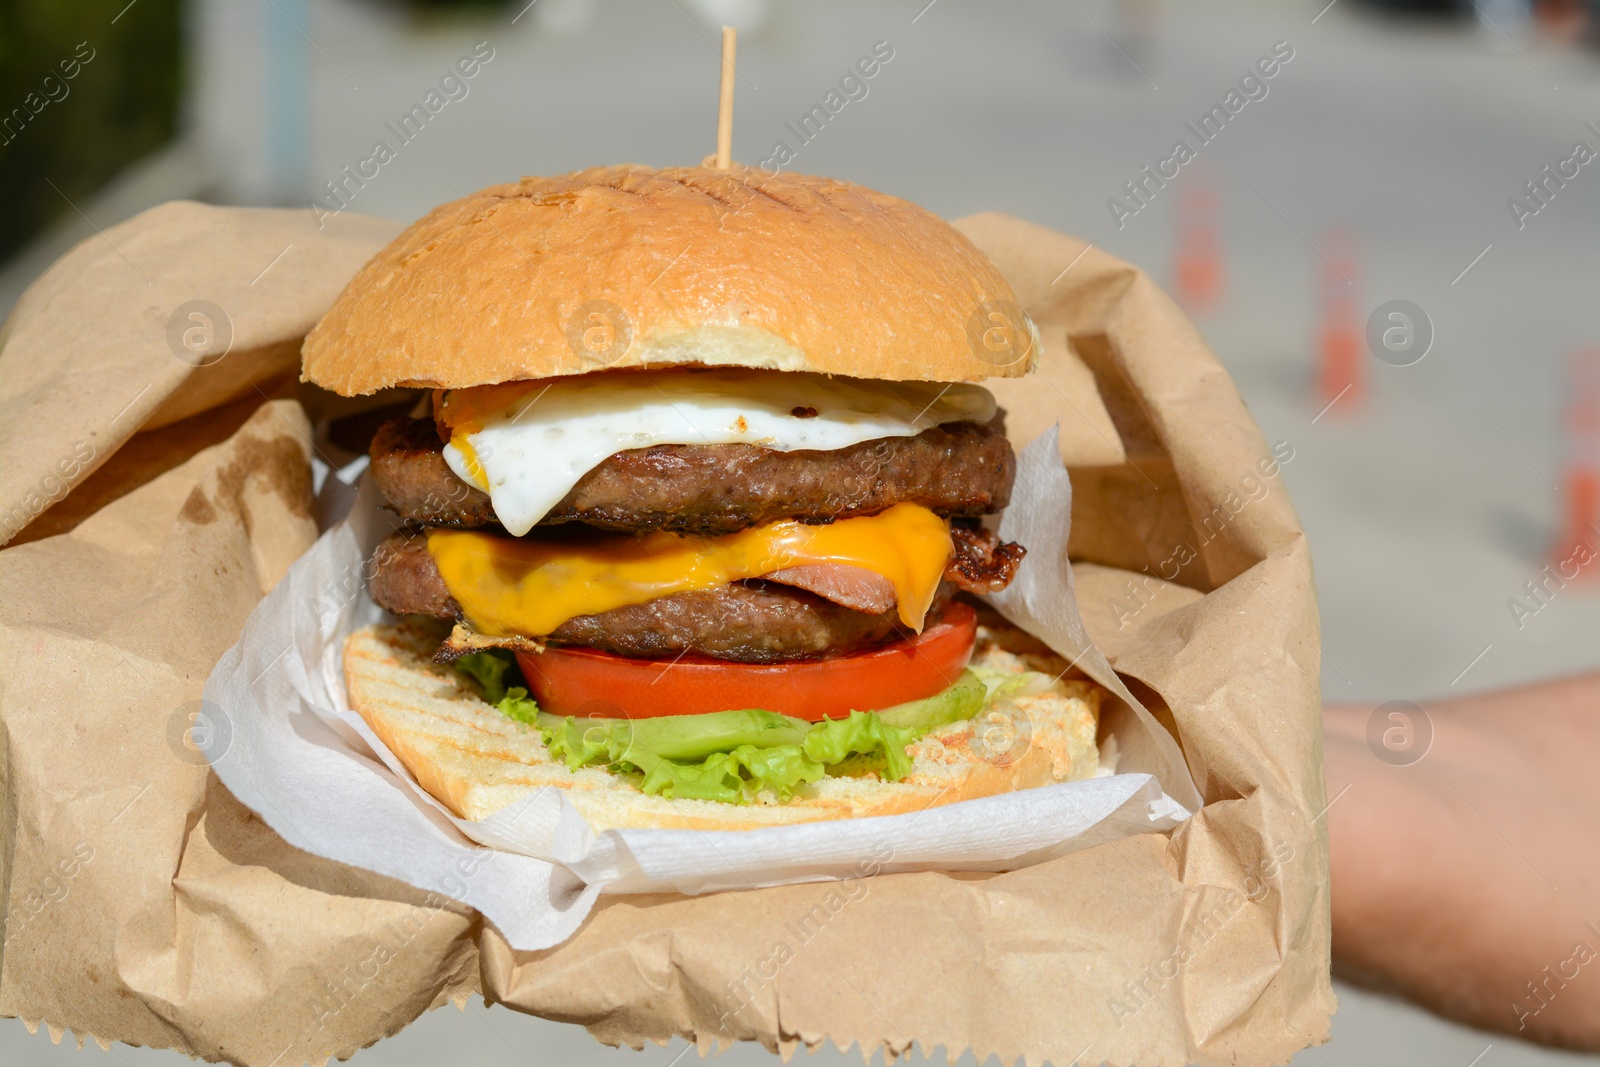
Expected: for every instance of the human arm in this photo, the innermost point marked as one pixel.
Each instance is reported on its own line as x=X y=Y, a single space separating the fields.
x=1469 y=881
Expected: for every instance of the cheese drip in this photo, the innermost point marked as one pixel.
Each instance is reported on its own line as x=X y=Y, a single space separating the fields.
x=508 y=586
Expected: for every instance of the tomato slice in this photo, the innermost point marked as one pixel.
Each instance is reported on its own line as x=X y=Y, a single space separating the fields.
x=584 y=682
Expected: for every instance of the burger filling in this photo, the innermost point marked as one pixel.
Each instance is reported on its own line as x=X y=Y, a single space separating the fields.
x=527 y=444
x=752 y=519
x=790 y=614
x=954 y=469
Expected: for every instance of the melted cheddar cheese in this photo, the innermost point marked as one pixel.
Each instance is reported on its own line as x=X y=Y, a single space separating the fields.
x=510 y=586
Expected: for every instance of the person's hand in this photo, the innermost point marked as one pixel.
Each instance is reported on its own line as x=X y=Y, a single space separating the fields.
x=1469 y=881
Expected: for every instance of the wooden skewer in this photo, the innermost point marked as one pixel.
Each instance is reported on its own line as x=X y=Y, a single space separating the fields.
x=730 y=41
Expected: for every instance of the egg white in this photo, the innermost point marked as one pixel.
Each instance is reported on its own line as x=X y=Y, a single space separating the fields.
x=532 y=454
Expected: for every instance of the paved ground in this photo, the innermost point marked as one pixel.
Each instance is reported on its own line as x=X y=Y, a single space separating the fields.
x=1429 y=504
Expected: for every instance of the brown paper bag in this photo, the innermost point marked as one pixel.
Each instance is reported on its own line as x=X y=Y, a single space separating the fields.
x=143 y=904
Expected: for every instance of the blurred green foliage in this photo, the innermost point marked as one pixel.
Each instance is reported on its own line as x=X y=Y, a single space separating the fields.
x=78 y=132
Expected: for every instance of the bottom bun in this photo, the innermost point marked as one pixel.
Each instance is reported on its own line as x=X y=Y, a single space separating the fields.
x=476 y=761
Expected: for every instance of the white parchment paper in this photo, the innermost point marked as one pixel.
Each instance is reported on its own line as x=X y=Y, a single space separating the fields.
x=283 y=739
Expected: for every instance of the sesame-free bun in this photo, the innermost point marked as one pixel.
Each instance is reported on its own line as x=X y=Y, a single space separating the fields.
x=476 y=761
x=631 y=266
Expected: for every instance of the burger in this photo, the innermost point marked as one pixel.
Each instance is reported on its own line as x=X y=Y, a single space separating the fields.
x=691 y=516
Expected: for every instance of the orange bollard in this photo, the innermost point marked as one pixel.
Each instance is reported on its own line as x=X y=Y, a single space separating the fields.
x=1197 y=263
x=1341 y=384
x=1578 y=545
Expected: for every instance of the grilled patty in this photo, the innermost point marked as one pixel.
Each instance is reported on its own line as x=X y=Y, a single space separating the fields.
x=960 y=469
x=753 y=621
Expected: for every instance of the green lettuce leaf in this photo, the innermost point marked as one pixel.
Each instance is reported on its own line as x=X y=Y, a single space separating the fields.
x=780 y=769
x=691 y=737
x=832 y=741
x=708 y=780
x=488 y=668
x=733 y=777
x=574 y=742
x=1003 y=685
x=961 y=701
x=518 y=705
x=674 y=737
x=730 y=756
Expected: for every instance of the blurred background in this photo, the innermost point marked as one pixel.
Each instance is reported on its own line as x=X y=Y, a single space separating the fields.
x=1392 y=243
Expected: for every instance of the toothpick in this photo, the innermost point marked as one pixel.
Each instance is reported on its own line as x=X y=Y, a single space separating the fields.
x=730 y=41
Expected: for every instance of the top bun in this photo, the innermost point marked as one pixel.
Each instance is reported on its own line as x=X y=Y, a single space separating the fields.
x=632 y=266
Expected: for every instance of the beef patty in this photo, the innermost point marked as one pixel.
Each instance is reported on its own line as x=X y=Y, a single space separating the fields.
x=753 y=621
x=959 y=469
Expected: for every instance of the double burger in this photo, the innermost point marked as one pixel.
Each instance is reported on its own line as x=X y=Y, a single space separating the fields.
x=693 y=506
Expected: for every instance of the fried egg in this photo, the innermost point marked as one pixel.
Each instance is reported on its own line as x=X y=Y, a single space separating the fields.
x=527 y=444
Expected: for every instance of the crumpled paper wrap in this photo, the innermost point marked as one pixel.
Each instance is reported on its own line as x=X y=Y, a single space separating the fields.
x=285 y=740
x=142 y=903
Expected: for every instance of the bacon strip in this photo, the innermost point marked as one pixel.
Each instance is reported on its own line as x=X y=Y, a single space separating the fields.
x=981 y=563
x=853 y=587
